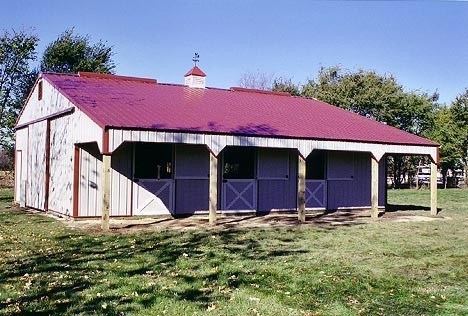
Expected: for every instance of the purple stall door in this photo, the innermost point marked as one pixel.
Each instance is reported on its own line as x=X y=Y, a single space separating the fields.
x=239 y=194
x=192 y=169
x=316 y=194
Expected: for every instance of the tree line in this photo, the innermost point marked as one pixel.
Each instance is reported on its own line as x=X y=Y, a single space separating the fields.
x=382 y=98
x=69 y=53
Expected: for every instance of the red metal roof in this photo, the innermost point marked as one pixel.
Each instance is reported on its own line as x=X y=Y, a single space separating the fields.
x=123 y=102
x=196 y=72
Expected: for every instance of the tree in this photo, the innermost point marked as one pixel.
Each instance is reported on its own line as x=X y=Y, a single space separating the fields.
x=373 y=95
x=451 y=132
x=445 y=133
x=379 y=97
x=286 y=85
x=17 y=50
x=71 y=53
x=459 y=112
x=258 y=80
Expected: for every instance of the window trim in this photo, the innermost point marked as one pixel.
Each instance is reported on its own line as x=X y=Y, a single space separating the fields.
x=39 y=90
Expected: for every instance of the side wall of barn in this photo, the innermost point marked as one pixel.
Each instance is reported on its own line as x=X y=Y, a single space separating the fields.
x=55 y=119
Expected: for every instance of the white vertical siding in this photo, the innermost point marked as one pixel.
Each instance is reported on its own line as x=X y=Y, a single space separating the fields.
x=216 y=143
x=61 y=166
x=35 y=189
x=21 y=163
x=90 y=175
x=121 y=181
x=90 y=199
x=52 y=102
x=65 y=131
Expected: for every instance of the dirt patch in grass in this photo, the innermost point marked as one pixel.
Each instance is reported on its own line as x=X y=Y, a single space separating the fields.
x=327 y=220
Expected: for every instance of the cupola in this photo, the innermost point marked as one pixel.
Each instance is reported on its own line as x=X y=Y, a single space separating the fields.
x=195 y=77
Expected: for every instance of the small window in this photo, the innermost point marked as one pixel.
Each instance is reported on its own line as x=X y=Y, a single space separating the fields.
x=39 y=91
x=316 y=165
x=153 y=161
x=239 y=163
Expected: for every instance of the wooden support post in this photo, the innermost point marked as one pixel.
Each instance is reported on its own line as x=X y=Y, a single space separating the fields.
x=301 y=189
x=213 y=202
x=106 y=172
x=374 y=188
x=433 y=188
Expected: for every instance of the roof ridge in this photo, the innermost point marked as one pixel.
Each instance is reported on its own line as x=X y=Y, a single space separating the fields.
x=57 y=73
x=182 y=85
x=85 y=74
x=171 y=84
x=240 y=89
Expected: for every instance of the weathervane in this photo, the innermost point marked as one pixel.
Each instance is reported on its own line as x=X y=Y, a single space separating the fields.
x=196 y=58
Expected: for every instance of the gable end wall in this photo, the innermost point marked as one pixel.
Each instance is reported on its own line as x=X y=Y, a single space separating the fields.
x=65 y=131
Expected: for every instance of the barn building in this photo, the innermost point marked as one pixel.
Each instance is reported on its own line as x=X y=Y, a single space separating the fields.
x=94 y=145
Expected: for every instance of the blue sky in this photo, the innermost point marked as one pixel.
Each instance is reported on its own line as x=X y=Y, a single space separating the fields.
x=423 y=43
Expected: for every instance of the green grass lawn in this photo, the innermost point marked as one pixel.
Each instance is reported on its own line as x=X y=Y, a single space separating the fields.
x=389 y=268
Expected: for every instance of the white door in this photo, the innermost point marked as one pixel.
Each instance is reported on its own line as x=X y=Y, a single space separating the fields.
x=20 y=185
x=153 y=197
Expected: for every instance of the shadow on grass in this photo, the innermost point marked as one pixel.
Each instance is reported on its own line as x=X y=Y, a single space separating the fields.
x=91 y=258
x=408 y=207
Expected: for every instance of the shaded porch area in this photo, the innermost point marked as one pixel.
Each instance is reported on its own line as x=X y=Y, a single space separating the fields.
x=180 y=177
x=323 y=219
x=180 y=180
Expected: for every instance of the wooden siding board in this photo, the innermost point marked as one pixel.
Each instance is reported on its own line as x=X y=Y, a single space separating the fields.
x=272 y=194
x=273 y=164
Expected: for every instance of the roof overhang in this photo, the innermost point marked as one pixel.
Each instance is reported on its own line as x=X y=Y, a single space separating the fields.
x=217 y=142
